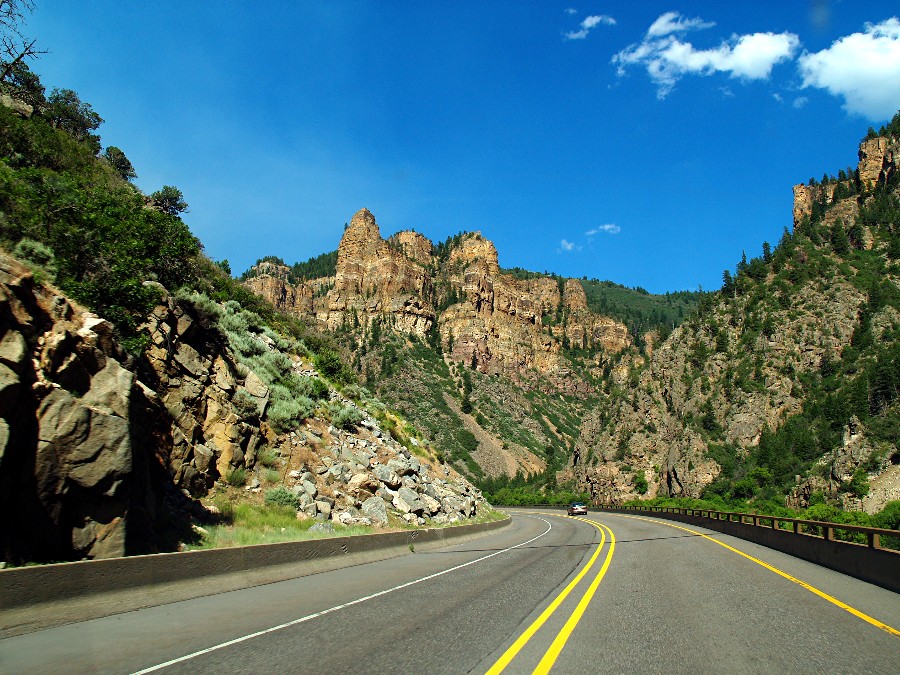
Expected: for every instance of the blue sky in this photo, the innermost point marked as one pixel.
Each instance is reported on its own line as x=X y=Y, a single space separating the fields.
x=645 y=143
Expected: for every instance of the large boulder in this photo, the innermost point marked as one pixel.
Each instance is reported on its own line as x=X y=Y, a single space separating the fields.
x=78 y=433
x=376 y=509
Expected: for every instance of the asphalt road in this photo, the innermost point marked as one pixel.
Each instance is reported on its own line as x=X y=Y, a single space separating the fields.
x=540 y=594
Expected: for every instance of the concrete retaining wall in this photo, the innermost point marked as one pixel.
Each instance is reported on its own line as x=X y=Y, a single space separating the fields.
x=877 y=566
x=47 y=595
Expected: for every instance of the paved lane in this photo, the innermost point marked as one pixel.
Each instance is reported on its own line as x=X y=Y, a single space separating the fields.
x=668 y=601
x=444 y=624
x=675 y=602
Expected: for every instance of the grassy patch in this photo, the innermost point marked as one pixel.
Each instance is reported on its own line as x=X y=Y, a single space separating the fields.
x=245 y=524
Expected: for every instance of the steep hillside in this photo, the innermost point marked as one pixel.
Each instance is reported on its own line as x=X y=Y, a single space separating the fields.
x=140 y=386
x=786 y=382
x=497 y=367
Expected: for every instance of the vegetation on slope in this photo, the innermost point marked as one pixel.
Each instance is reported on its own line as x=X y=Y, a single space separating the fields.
x=861 y=380
x=637 y=308
x=324 y=265
x=803 y=338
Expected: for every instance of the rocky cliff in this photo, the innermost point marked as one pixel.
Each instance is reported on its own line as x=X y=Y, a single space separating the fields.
x=76 y=455
x=104 y=455
x=797 y=330
x=488 y=319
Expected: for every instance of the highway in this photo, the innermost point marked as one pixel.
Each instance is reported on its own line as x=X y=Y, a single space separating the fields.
x=609 y=593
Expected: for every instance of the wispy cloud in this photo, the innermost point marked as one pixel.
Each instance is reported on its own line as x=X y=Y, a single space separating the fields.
x=587 y=25
x=566 y=246
x=667 y=58
x=778 y=97
x=799 y=102
x=609 y=228
x=862 y=68
x=673 y=22
x=571 y=10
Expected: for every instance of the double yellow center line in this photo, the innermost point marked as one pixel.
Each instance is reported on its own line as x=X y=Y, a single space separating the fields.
x=559 y=642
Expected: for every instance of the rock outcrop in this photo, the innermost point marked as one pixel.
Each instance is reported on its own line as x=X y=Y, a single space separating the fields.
x=104 y=455
x=721 y=380
x=197 y=379
x=876 y=167
x=488 y=319
x=76 y=472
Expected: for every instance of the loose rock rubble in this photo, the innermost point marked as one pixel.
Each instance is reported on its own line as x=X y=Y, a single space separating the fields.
x=361 y=476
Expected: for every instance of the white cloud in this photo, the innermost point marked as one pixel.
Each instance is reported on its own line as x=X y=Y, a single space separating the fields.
x=667 y=59
x=800 y=101
x=566 y=245
x=778 y=97
x=589 y=23
x=673 y=22
x=863 y=68
x=609 y=228
x=571 y=10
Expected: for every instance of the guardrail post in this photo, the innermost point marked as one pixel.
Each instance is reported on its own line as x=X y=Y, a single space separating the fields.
x=874 y=540
x=828 y=533
x=796 y=527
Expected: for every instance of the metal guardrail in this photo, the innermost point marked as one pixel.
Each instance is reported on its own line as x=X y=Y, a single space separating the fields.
x=814 y=528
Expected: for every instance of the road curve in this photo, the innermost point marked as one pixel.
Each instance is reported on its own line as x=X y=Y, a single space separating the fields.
x=660 y=598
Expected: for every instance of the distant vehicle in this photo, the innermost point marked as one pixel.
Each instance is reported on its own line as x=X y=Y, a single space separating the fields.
x=577 y=509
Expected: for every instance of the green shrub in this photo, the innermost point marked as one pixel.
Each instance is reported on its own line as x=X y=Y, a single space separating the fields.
x=271 y=476
x=267 y=458
x=245 y=405
x=329 y=363
x=281 y=496
x=345 y=417
x=234 y=322
x=246 y=345
x=285 y=414
x=640 y=483
x=311 y=387
x=39 y=256
x=236 y=477
x=889 y=519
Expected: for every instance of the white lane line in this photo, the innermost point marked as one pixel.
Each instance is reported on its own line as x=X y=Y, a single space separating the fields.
x=331 y=610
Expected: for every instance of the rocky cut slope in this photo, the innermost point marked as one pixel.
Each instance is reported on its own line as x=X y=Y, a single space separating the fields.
x=789 y=374
x=104 y=455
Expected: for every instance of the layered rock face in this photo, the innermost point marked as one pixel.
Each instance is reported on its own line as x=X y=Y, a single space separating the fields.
x=375 y=278
x=686 y=393
x=197 y=379
x=75 y=474
x=876 y=166
x=499 y=325
x=491 y=320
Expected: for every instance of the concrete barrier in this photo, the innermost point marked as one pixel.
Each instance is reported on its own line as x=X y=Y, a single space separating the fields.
x=875 y=565
x=38 y=597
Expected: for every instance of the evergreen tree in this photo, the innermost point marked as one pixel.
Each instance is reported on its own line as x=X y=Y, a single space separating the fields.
x=120 y=163
x=169 y=200
x=839 y=241
x=727 y=283
x=67 y=112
